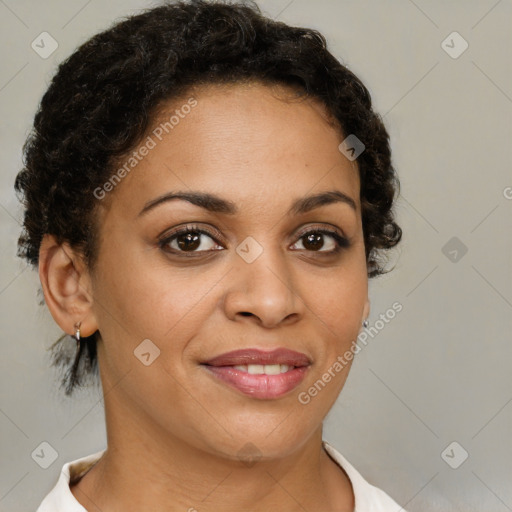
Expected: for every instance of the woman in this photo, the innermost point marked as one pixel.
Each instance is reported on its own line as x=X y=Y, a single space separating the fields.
x=207 y=192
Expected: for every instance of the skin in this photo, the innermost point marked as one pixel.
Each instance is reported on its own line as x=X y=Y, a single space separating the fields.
x=174 y=432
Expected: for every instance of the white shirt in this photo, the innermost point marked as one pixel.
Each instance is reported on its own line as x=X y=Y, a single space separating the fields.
x=367 y=497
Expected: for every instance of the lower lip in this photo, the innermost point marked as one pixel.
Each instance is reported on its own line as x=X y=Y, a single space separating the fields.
x=259 y=386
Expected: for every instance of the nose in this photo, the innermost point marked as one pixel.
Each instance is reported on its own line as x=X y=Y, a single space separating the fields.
x=264 y=291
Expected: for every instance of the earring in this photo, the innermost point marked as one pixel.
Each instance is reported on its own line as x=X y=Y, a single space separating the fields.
x=366 y=324
x=77 y=334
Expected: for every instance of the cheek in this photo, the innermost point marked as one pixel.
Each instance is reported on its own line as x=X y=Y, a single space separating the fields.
x=147 y=296
x=166 y=305
x=337 y=302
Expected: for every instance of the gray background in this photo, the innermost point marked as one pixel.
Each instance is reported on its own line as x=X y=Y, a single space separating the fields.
x=435 y=374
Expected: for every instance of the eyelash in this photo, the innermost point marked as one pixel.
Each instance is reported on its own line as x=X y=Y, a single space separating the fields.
x=341 y=242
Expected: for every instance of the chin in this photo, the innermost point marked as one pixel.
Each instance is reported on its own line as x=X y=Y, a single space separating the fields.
x=266 y=443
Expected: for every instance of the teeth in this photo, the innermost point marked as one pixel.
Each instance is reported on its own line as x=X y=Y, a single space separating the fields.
x=255 y=369
x=260 y=369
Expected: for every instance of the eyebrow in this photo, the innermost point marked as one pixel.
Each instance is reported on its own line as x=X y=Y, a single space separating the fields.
x=217 y=204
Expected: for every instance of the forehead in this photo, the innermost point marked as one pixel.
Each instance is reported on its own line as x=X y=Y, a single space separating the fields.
x=250 y=143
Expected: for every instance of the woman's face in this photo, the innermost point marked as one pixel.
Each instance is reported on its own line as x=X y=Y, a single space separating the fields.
x=263 y=275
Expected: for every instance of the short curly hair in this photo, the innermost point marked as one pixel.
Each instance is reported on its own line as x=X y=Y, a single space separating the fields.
x=105 y=95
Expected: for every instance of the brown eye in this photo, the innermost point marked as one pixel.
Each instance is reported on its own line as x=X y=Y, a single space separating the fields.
x=314 y=240
x=189 y=240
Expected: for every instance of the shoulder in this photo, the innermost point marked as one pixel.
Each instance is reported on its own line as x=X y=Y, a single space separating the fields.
x=368 y=498
x=60 y=498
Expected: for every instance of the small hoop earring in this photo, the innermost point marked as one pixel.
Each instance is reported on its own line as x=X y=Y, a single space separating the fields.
x=366 y=324
x=77 y=334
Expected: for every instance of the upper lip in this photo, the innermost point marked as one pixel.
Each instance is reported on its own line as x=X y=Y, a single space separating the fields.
x=256 y=356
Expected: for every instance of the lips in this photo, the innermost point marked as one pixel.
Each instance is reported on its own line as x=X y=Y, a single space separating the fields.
x=254 y=356
x=260 y=374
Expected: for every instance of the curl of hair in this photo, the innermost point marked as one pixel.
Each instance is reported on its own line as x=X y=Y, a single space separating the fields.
x=101 y=101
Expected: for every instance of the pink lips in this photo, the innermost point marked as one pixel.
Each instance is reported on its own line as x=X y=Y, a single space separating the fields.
x=260 y=386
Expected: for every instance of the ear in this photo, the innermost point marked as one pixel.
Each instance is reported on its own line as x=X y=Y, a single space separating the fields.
x=66 y=285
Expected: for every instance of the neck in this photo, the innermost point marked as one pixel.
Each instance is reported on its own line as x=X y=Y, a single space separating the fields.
x=145 y=468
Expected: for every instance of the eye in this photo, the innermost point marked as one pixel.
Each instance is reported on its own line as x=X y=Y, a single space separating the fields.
x=192 y=240
x=189 y=240
x=313 y=240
